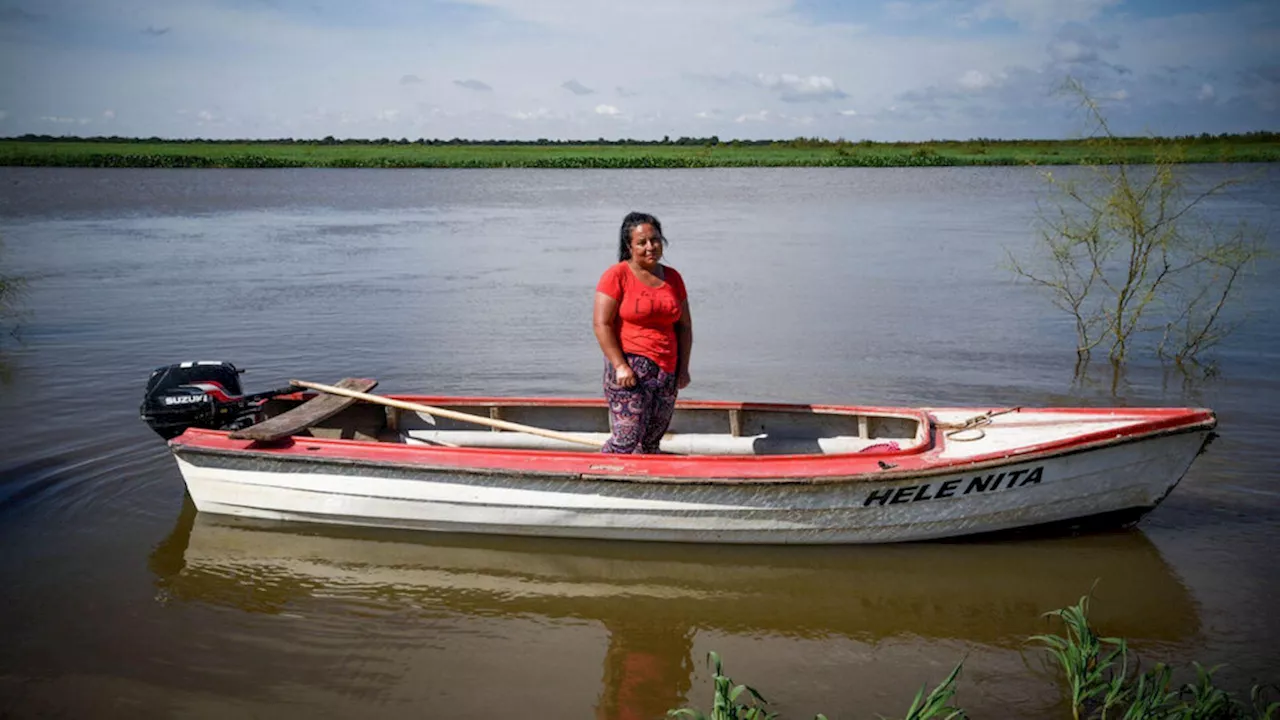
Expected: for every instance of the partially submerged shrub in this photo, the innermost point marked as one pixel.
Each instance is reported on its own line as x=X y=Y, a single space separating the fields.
x=1125 y=255
x=10 y=290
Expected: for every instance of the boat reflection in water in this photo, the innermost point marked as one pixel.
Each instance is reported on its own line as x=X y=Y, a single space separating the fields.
x=653 y=598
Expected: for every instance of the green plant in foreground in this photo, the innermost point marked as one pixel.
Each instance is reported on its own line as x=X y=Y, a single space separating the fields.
x=938 y=703
x=1102 y=684
x=1259 y=704
x=1087 y=659
x=725 y=706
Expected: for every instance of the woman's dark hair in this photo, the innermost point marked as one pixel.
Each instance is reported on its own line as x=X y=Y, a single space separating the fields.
x=631 y=222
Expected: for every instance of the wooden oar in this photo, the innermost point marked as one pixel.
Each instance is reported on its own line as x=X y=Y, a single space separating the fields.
x=453 y=414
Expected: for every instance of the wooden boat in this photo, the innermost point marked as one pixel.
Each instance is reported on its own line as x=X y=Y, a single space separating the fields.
x=730 y=472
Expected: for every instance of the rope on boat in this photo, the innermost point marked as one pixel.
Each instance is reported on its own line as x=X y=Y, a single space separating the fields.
x=955 y=430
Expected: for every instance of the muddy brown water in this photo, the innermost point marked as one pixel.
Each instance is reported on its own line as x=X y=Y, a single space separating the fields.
x=839 y=286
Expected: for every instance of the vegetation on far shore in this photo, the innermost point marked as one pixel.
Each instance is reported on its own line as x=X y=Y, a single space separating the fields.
x=685 y=152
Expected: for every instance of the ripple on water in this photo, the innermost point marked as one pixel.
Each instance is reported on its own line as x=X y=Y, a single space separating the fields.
x=87 y=475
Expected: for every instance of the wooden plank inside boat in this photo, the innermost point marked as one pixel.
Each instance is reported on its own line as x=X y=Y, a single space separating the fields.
x=317 y=409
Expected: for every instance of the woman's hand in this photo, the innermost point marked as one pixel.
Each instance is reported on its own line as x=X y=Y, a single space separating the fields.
x=624 y=375
x=682 y=381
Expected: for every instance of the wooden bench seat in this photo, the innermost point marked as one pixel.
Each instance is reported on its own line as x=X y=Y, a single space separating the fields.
x=316 y=410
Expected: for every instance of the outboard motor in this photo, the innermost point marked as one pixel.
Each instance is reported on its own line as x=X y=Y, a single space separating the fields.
x=204 y=394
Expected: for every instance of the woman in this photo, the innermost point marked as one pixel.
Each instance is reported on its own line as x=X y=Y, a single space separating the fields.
x=642 y=323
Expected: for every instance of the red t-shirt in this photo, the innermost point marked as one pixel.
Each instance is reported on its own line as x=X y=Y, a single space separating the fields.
x=648 y=315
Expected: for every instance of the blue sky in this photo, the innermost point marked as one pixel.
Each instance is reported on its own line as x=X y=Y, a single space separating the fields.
x=582 y=69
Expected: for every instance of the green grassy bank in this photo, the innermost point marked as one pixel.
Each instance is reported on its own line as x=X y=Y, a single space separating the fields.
x=687 y=152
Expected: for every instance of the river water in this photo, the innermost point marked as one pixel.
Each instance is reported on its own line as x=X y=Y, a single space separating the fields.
x=858 y=286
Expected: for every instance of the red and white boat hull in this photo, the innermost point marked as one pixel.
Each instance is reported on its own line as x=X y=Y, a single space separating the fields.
x=1027 y=469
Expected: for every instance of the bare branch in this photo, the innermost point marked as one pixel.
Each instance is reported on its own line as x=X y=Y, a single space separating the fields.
x=1122 y=257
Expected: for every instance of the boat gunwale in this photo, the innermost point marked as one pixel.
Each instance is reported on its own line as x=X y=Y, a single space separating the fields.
x=923 y=441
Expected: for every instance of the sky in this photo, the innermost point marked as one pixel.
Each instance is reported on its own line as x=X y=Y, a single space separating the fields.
x=885 y=70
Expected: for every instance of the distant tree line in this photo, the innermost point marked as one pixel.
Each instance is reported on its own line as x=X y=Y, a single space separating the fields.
x=685 y=141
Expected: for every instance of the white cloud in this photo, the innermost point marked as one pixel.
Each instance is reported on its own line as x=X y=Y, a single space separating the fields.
x=108 y=114
x=57 y=120
x=576 y=87
x=1206 y=93
x=795 y=88
x=595 y=17
x=1075 y=44
x=606 y=110
x=901 y=11
x=267 y=69
x=976 y=80
x=1037 y=14
x=387 y=116
x=1070 y=51
x=539 y=114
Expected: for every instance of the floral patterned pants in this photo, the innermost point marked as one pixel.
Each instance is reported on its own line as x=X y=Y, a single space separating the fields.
x=639 y=414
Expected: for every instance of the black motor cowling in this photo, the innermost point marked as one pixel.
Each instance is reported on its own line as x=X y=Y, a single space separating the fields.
x=204 y=394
